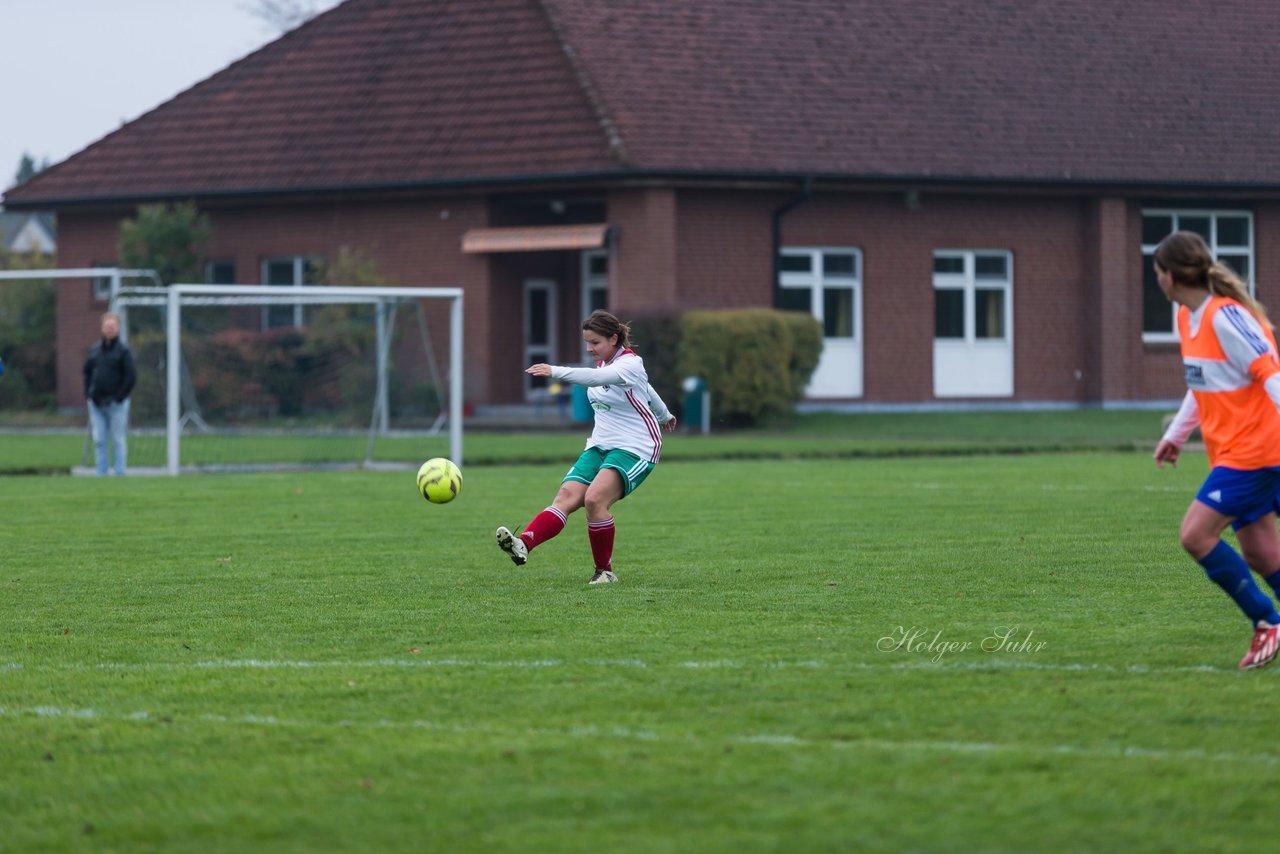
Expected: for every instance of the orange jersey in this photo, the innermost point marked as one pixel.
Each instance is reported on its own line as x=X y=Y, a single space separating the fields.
x=1226 y=361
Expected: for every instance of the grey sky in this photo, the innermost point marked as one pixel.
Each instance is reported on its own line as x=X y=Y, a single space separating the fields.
x=75 y=70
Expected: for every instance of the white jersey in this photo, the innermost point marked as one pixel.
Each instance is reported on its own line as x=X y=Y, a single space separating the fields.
x=628 y=411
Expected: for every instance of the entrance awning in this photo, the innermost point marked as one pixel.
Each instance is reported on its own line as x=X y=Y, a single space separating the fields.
x=536 y=238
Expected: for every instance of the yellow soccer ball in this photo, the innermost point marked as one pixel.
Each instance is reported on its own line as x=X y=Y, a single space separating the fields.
x=439 y=480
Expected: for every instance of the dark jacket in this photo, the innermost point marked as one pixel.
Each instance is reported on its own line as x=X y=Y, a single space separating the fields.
x=109 y=373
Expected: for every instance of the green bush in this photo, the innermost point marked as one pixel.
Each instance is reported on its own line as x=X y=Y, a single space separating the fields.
x=27 y=326
x=656 y=337
x=756 y=361
x=806 y=349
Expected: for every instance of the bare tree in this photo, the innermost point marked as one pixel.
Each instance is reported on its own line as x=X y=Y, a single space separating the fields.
x=284 y=15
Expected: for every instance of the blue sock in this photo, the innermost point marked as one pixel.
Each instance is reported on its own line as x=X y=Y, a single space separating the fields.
x=1227 y=569
x=1274 y=581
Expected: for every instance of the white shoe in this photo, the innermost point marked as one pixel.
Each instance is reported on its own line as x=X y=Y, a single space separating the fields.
x=603 y=576
x=513 y=546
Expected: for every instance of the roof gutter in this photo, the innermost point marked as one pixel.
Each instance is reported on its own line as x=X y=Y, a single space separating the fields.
x=806 y=190
x=882 y=181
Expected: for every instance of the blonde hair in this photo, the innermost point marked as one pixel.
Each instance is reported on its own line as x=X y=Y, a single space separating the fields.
x=1186 y=257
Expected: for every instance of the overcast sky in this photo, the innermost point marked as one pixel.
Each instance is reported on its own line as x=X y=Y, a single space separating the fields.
x=72 y=71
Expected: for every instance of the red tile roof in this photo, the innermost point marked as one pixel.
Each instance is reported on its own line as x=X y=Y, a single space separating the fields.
x=373 y=92
x=1037 y=90
x=405 y=92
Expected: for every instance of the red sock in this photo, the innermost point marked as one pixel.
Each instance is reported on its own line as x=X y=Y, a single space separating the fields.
x=601 y=534
x=543 y=527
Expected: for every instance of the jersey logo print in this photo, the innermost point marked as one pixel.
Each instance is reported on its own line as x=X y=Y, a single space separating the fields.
x=1234 y=314
x=1195 y=375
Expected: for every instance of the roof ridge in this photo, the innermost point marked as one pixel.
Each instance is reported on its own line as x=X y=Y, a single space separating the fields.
x=610 y=128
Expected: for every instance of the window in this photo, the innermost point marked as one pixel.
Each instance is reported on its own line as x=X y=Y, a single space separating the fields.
x=972 y=292
x=824 y=283
x=220 y=272
x=292 y=270
x=101 y=286
x=1230 y=238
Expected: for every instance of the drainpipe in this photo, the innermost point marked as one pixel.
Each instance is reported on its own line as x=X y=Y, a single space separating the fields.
x=806 y=190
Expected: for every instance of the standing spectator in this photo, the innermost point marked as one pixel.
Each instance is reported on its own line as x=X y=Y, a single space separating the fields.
x=109 y=376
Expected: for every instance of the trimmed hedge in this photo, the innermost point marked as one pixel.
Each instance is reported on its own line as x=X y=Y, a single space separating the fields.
x=756 y=361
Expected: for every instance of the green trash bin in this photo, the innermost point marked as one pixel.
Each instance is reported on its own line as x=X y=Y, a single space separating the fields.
x=581 y=404
x=697 y=404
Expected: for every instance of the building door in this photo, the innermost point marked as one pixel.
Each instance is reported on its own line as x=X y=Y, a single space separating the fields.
x=827 y=283
x=973 y=323
x=539 y=332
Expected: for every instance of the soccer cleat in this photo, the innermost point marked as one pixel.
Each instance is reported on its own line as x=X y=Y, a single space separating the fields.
x=1266 y=639
x=514 y=546
x=605 y=576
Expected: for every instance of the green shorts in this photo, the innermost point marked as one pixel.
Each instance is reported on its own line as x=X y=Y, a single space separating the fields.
x=633 y=469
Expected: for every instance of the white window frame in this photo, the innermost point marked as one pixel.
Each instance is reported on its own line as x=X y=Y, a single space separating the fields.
x=593 y=281
x=968 y=283
x=816 y=280
x=1171 y=337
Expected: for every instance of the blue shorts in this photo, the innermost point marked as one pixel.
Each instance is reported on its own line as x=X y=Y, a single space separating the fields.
x=1246 y=494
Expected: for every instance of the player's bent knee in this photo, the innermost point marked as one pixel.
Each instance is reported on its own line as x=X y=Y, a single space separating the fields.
x=1198 y=543
x=570 y=497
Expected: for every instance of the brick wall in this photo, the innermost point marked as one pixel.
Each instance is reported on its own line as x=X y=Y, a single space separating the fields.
x=1076 y=286
x=413 y=242
x=84 y=240
x=725 y=245
x=644 y=274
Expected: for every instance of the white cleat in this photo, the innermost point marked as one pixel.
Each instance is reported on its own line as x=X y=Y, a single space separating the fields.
x=513 y=546
x=603 y=576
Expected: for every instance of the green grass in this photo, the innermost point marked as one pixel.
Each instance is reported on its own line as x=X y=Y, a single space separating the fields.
x=818 y=435
x=326 y=662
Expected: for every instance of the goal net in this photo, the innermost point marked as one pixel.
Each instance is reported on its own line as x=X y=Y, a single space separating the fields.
x=259 y=377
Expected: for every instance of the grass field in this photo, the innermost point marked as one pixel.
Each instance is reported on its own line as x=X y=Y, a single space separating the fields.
x=325 y=662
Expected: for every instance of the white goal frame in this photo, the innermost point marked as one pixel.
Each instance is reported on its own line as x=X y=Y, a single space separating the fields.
x=174 y=296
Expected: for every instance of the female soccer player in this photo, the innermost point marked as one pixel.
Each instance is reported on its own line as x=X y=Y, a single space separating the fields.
x=623 y=448
x=1233 y=378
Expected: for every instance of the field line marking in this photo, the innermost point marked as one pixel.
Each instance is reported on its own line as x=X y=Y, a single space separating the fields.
x=779 y=740
x=713 y=664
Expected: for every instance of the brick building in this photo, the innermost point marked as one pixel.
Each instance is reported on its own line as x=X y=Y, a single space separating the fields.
x=963 y=193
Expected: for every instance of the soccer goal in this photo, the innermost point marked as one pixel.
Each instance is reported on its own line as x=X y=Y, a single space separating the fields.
x=263 y=377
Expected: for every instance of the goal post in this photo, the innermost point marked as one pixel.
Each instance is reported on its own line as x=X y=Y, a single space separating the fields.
x=181 y=405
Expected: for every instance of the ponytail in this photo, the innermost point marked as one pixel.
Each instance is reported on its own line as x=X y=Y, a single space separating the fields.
x=1187 y=258
x=1223 y=282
